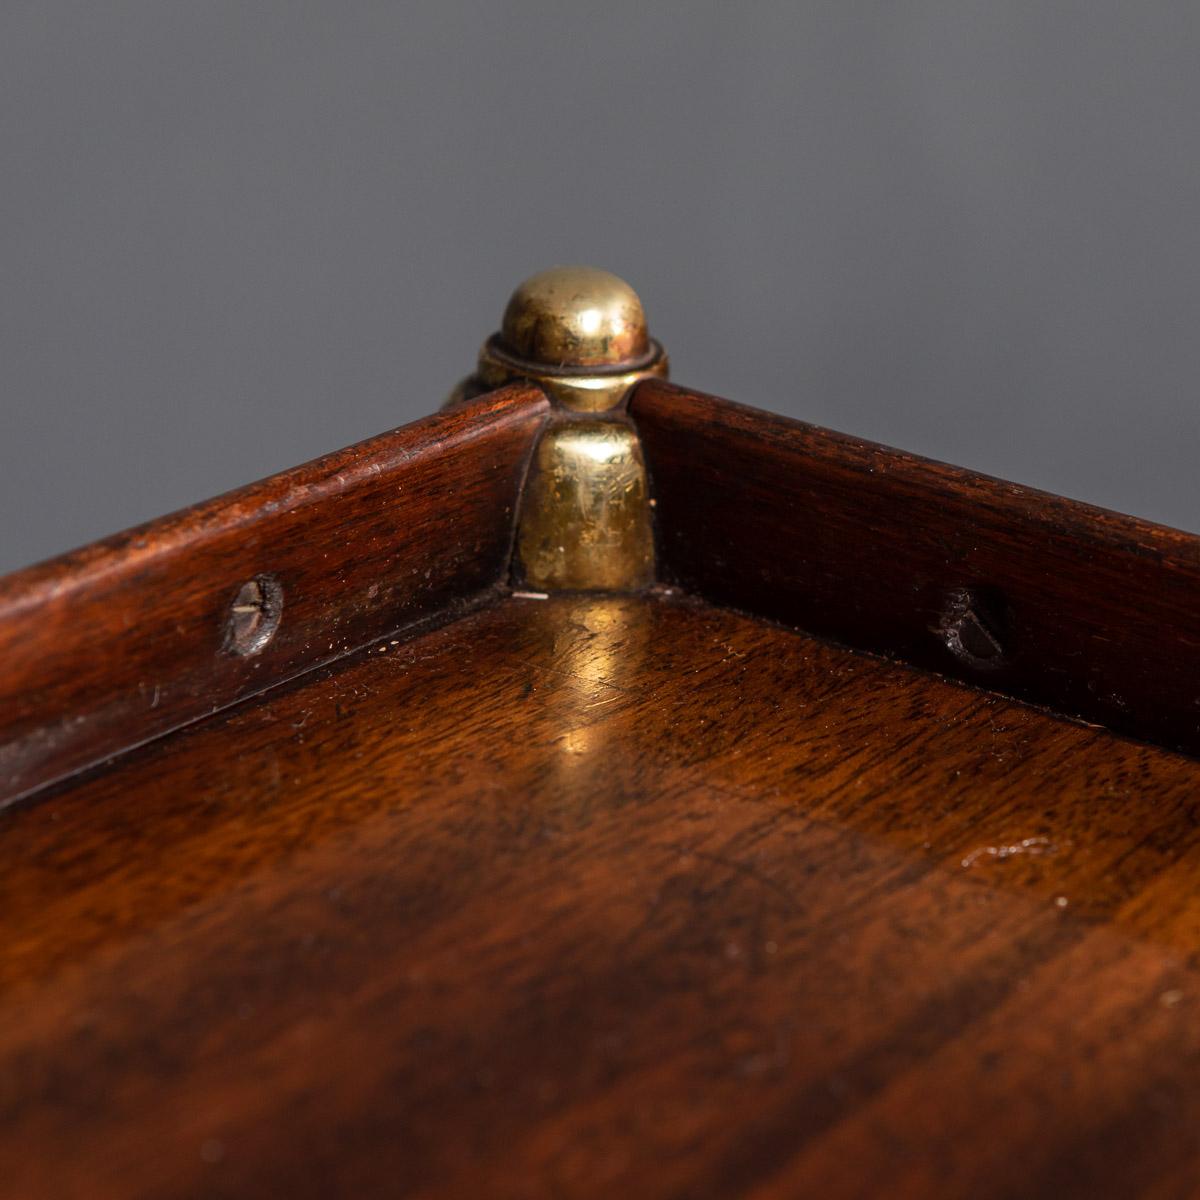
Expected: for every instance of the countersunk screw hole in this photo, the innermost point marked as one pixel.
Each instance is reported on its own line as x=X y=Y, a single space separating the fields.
x=254 y=616
x=972 y=628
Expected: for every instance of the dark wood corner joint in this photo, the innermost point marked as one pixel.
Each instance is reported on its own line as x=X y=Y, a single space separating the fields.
x=131 y=637
x=1089 y=613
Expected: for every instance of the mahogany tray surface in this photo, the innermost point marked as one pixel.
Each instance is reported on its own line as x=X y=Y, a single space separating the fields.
x=598 y=896
x=600 y=788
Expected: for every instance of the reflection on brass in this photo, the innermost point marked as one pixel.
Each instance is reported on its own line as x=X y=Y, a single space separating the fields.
x=584 y=522
x=584 y=517
x=579 y=332
x=581 y=392
x=575 y=316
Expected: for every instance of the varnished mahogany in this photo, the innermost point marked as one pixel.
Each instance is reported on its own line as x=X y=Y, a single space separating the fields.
x=451 y=890
x=127 y=638
x=1089 y=612
x=607 y=896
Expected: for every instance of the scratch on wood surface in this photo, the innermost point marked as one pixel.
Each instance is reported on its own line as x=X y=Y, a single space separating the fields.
x=1029 y=845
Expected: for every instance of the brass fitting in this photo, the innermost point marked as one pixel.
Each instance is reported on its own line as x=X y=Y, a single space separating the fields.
x=583 y=522
x=579 y=332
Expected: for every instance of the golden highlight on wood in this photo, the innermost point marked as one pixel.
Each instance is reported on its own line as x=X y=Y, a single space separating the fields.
x=585 y=512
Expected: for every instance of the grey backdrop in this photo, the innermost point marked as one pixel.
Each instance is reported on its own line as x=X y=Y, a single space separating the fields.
x=236 y=235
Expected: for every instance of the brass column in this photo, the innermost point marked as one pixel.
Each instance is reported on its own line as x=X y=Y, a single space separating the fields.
x=585 y=515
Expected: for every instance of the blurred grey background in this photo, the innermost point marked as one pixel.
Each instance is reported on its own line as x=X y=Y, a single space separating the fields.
x=236 y=235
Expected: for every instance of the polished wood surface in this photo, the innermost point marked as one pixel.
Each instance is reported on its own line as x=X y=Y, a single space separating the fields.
x=1088 y=612
x=125 y=639
x=607 y=896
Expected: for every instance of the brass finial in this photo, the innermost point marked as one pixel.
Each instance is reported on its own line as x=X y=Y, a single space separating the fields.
x=576 y=317
x=584 y=517
x=579 y=332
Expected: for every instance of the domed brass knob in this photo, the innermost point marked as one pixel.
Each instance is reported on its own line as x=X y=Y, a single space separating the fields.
x=576 y=317
x=579 y=332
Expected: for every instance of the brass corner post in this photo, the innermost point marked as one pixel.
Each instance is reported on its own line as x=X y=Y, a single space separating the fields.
x=584 y=521
x=584 y=518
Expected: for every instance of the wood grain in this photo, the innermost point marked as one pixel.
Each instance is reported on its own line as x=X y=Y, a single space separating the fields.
x=1088 y=612
x=125 y=639
x=602 y=896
